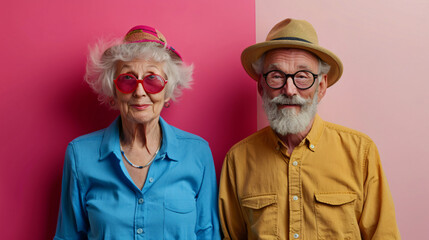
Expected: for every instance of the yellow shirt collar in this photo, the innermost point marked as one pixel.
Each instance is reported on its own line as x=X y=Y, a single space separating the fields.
x=311 y=139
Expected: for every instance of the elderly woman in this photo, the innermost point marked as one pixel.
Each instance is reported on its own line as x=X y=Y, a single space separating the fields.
x=140 y=178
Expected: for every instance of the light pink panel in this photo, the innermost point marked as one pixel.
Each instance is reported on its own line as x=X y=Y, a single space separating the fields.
x=383 y=91
x=45 y=102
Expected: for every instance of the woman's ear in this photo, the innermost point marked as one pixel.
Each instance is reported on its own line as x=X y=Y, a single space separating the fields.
x=112 y=102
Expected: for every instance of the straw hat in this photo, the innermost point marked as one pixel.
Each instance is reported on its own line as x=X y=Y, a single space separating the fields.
x=292 y=33
x=142 y=33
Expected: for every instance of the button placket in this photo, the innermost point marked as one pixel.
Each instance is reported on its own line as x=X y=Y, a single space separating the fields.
x=139 y=214
x=294 y=179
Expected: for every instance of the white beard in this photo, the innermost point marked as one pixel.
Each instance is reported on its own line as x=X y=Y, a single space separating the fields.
x=288 y=121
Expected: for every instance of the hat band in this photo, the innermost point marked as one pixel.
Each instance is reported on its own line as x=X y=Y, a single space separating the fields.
x=291 y=38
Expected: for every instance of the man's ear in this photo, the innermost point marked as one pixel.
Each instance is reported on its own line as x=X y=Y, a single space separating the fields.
x=323 y=85
x=260 y=88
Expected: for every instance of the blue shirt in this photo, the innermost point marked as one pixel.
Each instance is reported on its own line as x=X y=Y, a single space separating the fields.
x=99 y=200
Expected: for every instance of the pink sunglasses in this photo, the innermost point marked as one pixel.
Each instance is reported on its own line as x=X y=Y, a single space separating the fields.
x=127 y=83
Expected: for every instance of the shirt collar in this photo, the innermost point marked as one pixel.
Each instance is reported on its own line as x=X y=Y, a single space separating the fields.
x=311 y=139
x=170 y=144
x=315 y=133
x=110 y=143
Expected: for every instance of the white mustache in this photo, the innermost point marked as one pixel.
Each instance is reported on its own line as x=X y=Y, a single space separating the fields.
x=282 y=99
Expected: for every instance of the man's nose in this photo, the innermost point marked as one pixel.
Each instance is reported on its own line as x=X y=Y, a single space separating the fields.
x=289 y=89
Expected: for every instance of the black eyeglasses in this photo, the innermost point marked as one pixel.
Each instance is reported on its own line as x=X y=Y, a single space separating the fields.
x=302 y=80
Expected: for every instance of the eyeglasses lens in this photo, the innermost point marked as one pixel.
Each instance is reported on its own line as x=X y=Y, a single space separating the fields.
x=275 y=79
x=303 y=79
x=126 y=83
x=153 y=83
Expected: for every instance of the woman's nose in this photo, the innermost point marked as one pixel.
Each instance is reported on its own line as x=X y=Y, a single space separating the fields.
x=139 y=92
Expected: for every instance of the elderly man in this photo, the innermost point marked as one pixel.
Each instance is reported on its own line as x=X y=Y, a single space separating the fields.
x=302 y=177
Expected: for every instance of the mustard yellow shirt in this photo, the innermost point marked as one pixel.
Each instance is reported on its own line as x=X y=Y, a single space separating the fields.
x=331 y=187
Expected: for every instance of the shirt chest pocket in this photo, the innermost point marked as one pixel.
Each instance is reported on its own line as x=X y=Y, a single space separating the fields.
x=262 y=215
x=179 y=218
x=335 y=216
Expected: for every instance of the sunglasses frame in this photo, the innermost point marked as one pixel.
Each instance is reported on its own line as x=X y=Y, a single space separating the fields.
x=139 y=81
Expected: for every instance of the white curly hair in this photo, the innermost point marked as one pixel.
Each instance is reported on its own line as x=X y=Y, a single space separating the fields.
x=103 y=58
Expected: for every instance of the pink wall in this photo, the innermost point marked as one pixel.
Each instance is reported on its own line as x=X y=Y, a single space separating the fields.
x=45 y=103
x=383 y=91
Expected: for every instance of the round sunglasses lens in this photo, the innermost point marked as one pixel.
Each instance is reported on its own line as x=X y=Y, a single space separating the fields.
x=153 y=83
x=126 y=83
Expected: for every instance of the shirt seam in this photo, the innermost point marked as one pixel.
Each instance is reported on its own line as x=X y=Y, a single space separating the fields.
x=250 y=138
x=79 y=182
x=342 y=129
x=75 y=167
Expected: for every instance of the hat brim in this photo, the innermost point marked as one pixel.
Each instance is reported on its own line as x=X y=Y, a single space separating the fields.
x=254 y=52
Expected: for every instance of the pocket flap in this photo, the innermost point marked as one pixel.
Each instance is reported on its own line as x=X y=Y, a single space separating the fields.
x=335 y=198
x=258 y=202
x=180 y=205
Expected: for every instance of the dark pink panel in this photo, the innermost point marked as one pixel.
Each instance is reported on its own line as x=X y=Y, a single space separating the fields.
x=45 y=102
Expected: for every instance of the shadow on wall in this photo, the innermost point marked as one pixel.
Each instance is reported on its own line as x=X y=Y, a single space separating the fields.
x=83 y=112
x=53 y=185
x=76 y=112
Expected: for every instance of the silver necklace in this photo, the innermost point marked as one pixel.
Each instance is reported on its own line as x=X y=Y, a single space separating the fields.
x=137 y=166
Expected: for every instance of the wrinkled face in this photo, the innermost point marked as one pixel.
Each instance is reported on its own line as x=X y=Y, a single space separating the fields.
x=289 y=109
x=140 y=107
x=290 y=61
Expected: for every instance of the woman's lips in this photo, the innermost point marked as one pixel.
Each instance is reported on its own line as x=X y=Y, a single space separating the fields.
x=140 y=106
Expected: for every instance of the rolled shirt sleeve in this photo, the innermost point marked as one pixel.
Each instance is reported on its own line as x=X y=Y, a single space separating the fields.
x=378 y=215
x=207 y=226
x=230 y=214
x=71 y=219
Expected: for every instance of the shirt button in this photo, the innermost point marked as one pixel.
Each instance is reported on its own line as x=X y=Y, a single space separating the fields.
x=296 y=235
x=141 y=200
x=295 y=163
x=311 y=146
x=139 y=231
x=295 y=198
x=150 y=179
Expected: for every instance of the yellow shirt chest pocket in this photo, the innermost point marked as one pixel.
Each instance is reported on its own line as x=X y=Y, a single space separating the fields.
x=262 y=214
x=335 y=216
